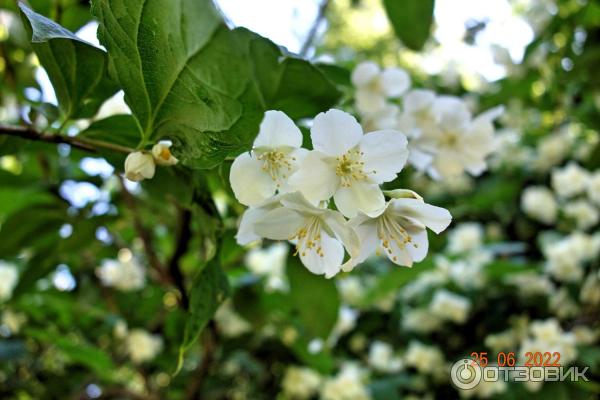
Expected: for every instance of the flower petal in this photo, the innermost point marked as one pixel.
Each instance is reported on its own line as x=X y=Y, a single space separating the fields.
x=418 y=99
x=369 y=102
x=419 y=244
x=280 y=224
x=330 y=263
x=335 y=132
x=250 y=184
x=360 y=196
x=366 y=230
x=385 y=152
x=435 y=218
x=246 y=234
x=364 y=73
x=315 y=178
x=394 y=82
x=343 y=231
x=278 y=130
x=398 y=255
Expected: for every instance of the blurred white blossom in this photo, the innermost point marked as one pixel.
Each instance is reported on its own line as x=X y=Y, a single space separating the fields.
x=9 y=276
x=125 y=275
x=143 y=346
x=538 y=202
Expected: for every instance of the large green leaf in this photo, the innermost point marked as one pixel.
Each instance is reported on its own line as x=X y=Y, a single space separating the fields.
x=78 y=70
x=209 y=289
x=188 y=77
x=411 y=20
x=315 y=298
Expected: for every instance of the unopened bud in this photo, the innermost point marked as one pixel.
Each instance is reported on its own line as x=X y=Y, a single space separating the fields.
x=139 y=166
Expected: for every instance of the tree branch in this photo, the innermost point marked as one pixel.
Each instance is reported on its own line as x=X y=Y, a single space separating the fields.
x=314 y=28
x=81 y=143
x=183 y=239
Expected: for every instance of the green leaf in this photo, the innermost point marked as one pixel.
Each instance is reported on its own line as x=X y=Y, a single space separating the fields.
x=411 y=20
x=209 y=289
x=77 y=351
x=122 y=130
x=188 y=77
x=78 y=70
x=309 y=293
x=30 y=226
x=501 y=268
x=393 y=280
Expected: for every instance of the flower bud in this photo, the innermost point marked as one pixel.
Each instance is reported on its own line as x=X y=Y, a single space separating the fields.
x=162 y=154
x=139 y=166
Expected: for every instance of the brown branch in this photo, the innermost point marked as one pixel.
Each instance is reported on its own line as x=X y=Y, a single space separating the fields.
x=194 y=390
x=314 y=28
x=183 y=240
x=144 y=234
x=29 y=133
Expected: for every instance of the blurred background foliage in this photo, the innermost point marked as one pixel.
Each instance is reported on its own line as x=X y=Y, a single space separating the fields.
x=63 y=211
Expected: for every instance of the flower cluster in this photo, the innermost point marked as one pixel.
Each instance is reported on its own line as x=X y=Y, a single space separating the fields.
x=445 y=140
x=574 y=194
x=291 y=191
x=141 y=165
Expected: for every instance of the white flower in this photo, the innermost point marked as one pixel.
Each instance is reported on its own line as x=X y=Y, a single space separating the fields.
x=548 y=336
x=257 y=175
x=270 y=263
x=382 y=358
x=467 y=236
x=9 y=276
x=347 y=385
x=246 y=233
x=400 y=229
x=126 y=276
x=162 y=154
x=386 y=118
x=13 y=320
x=374 y=86
x=142 y=346
x=229 y=322
x=300 y=383
x=420 y=321
x=139 y=165
x=352 y=289
x=593 y=190
x=418 y=116
x=450 y=306
x=320 y=234
x=345 y=323
x=448 y=141
x=426 y=359
x=539 y=203
x=566 y=256
x=583 y=213
x=348 y=165
x=570 y=180
x=552 y=150
x=590 y=290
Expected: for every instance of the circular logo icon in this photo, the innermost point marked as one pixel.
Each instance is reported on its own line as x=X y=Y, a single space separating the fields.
x=465 y=374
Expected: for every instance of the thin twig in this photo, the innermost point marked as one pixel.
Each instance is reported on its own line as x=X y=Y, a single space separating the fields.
x=144 y=234
x=194 y=390
x=314 y=28
x=183 y=239
x=81 y=143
